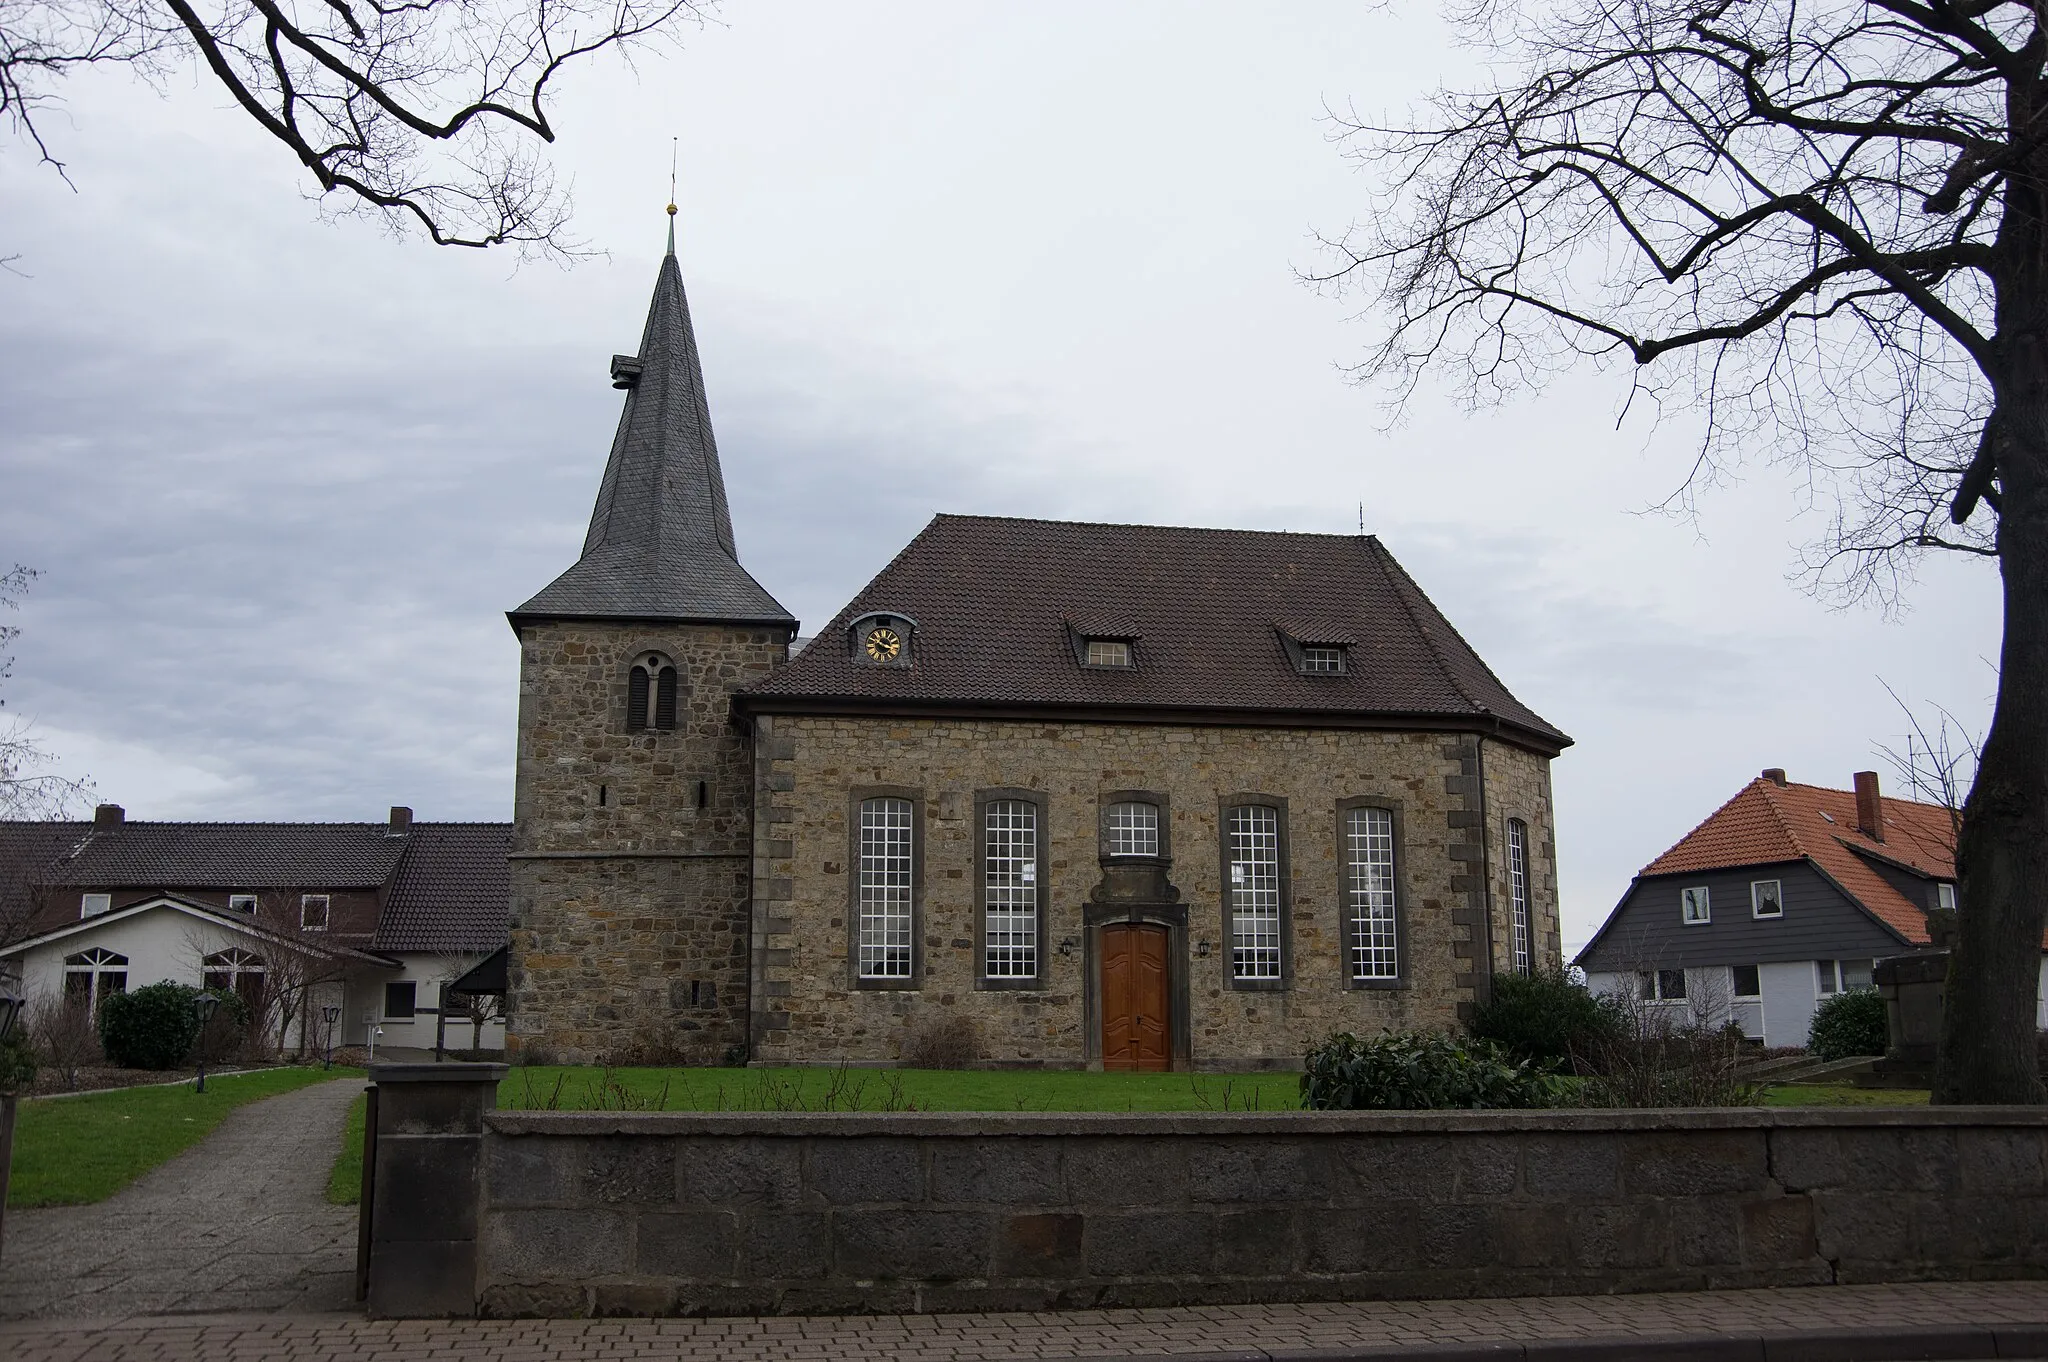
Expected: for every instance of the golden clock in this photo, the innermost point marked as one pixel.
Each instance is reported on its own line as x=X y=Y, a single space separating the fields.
x=884 y=644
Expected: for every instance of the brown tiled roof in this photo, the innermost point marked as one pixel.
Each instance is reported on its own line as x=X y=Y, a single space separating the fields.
x=26 y=850
x=453 y=892
x=995 y=600
x=229 y=855
x=1767 y=823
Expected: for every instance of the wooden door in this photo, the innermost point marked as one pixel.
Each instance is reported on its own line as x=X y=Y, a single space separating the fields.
x=1136 y=1031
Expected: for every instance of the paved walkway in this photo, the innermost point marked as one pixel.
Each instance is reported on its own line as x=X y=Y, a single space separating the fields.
x=237 y=1222
x=1248 y=1332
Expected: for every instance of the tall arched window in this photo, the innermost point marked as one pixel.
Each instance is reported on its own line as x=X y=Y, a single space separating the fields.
x=90 y=977
x=237 y=971
x=651 y=693
x=1519 y=944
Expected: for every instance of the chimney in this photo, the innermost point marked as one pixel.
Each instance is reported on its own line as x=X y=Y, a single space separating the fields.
x=1775 y=775
x=1869 y=807
x=108 y=816
x=401 y=821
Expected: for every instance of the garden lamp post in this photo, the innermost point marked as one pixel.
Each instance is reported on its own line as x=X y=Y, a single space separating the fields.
x=329 y=1015
x=203 y=1007
x=10 y=1013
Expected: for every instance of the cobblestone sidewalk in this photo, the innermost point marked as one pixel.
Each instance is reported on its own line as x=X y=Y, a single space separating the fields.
x=238 y=1222
x=1273 y=1331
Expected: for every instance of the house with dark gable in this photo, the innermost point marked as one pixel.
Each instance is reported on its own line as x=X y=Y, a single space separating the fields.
x=1076 y=795
x=374 y=919
x=1785 y=895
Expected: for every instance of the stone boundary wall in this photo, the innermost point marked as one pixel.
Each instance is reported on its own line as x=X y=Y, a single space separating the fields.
x=732 y=1213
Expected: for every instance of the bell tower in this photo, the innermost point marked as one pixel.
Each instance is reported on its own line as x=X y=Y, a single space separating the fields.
x=632 y=806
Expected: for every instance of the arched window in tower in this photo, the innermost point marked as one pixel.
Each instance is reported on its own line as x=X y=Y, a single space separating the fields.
x=651 y=693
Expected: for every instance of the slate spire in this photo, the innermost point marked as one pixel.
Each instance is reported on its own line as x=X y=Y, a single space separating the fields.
x=660 y=544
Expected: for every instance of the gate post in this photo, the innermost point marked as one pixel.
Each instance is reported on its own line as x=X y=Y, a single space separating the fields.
x=426 y=1186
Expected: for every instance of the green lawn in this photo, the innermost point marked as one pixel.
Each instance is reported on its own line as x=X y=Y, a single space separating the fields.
x=583 y=1089
x=69 y=1151
x=1840 y=1095
x=345 y=1179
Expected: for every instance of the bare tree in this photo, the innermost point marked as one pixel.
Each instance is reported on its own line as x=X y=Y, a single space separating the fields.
x=1819 y=224
x=294 y=969
x=478 y=1009
x=27 y=788
x=426 y=113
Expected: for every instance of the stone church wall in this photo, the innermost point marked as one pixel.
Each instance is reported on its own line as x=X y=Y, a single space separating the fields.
x=629 y=900
x=806 y=767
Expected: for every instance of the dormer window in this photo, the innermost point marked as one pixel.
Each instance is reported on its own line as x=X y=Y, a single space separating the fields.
x=1316 y=647
x=883 y=640
x=651 y=693
x=1108 y=652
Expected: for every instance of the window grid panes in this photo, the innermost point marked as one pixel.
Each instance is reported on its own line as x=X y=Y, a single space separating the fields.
x=1369 y=847
x=1134 y=829
x=1107 y=652
x=1518 y=894
x=1255 y=892
x=885 y=888
x=1322 y=659
x=1010 y=871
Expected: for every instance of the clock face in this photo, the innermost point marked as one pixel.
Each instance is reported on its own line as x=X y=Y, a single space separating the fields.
x=884 y=644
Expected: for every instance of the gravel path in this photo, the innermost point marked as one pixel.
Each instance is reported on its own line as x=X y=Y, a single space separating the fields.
x=238 y=1222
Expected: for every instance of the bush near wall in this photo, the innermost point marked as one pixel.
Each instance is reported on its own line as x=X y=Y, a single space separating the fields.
x=154 y=1027
x=1847 y=1025
x=1420 y=1070
x=1550 y=1018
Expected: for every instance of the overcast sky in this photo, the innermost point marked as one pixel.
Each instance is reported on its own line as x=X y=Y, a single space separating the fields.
x=284 y=476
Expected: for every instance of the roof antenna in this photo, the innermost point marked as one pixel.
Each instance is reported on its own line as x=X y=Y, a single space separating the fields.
x=1361 y=518
x=673 y=144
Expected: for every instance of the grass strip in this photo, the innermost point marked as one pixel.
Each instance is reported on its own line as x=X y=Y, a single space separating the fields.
x=72 y=1151
x=345 y=1179
x=1840 y=1095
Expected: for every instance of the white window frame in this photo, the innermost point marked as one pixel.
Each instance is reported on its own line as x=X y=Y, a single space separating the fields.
x=1107 y=652
x=1945 y=896
x=885 y=889
x=1650 y=986
x=1256 y=953
x=1756 y=899
x=1736 y=993
x=1827 y=978
x=242 y=903
x=1687 y=902
x=1322 y=659
x=306 y=902
x=1009 y=940
x=1370 y=893
x=1521 y=956
x=1133 y=828
x=92 y=905
x=95 y=963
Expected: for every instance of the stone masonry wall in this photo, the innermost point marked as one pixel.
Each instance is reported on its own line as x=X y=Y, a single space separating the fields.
x=806 y=766
x=589 y=1213
x=629 y=901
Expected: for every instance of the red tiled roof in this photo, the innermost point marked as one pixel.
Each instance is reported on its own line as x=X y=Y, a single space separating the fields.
x=1766 y=823
x=997 y=602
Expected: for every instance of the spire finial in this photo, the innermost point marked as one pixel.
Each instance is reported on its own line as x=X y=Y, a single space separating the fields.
x=673 y=142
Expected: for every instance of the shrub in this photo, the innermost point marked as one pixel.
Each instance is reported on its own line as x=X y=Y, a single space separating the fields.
x=63 y=1031
x=1848 y=1024
x=1551 y=1018
x=151 y=1028
x=1412 y=1070
x=17 y=1062
x=226 y=1033
x=951 y=1043
x=1660 y=1062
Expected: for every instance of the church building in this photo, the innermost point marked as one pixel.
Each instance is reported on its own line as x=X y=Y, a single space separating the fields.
x=1043 y=793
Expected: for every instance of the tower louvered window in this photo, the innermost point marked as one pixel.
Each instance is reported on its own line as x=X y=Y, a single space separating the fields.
x=651 y=694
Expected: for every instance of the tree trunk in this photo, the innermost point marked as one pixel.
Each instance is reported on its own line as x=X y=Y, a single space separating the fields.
x=1987 y=1051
